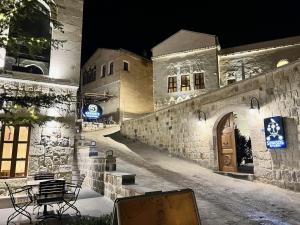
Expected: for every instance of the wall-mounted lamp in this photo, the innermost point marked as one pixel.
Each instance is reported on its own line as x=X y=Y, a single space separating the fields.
x=201 y=115
x=252 y=101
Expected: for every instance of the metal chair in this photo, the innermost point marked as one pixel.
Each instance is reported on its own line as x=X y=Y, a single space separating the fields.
x=50 y=192
x=19 y=206
x=72 y=194
x=44 y=176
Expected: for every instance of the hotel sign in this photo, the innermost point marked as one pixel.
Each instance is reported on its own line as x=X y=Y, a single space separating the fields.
x=92 y=111
x=274 y=133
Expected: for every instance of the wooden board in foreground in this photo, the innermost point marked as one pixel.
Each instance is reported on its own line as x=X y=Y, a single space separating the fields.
x=164 y=208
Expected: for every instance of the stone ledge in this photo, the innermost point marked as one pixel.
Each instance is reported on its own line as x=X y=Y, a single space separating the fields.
x=138 y=189
x=242 y=176
x=126 y=178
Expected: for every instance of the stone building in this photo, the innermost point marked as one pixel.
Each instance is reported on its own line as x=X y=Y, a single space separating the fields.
x=184 y=66
x=26 y=150
x=183 y=131
x=224 y=126
x=189 y=64
x=126 y=77
x=249 y=60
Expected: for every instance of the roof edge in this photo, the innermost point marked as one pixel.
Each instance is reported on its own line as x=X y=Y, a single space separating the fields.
x=181 y=30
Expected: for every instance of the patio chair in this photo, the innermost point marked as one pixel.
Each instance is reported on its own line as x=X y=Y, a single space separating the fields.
x=44 y=176
x=50 y=192
x=71 y=195
x=18 y=205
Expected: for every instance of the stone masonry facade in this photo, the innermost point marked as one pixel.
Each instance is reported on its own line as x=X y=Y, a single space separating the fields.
x=129 y=89
x=199 y=58
x=178 y=131
x=203 y=61
x=242 y=65
x=52 y=144
x=93 y=168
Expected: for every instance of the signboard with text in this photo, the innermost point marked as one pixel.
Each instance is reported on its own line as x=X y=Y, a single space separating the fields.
x=92 y=111
x=274 y=133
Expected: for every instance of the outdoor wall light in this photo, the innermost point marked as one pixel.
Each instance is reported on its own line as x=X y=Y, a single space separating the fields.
x=201 y=115
x=252 y=101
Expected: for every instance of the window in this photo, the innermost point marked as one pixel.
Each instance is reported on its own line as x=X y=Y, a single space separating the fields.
x=199 y=81
x=14 y=151
x=23 y=59
x=185 y=83
x=89 y=75
x=103 y=71
x=172 y=84
x=126 y=66
x=111 y=68
x=282 y=62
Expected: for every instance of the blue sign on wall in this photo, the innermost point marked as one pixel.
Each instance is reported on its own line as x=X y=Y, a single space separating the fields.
x=274 y=133
x=92 y=111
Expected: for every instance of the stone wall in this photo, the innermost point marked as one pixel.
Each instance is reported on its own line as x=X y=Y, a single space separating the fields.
x=91 y=126
x=65 y=61
x=242 y=65
x=93 y=168
x=177 y=129
x=136 y=94
x=201 y=61
x=131 y=90
x=52 y=144
x=119 y=185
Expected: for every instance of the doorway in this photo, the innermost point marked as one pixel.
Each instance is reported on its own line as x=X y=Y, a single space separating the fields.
x=234 y=144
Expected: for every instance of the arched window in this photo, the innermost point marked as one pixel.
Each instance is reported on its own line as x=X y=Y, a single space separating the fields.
x=34 y=69
x=282 y=62
x=37 y=27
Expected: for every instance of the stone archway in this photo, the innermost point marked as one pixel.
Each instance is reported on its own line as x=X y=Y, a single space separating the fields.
x=226 y=144
x=233 y=122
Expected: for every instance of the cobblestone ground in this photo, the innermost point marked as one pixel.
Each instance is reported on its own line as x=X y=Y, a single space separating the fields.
x=221 y=200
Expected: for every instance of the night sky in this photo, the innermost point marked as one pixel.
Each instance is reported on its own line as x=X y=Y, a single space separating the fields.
x=139 y=27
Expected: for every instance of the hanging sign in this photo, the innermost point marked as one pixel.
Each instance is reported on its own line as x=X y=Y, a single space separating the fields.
x=274 y=132
x=92 y=111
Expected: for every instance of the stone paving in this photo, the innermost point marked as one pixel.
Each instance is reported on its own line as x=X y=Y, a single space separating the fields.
x=221 y=199
x=89 y=203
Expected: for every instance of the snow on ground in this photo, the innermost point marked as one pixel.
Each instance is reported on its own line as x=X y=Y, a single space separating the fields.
x=221 y=199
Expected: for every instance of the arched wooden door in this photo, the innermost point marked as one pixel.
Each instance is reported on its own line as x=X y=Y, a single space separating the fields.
x=226 y=144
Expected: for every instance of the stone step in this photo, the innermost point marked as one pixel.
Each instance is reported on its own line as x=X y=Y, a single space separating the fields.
x=242 y=176
x=126 y=178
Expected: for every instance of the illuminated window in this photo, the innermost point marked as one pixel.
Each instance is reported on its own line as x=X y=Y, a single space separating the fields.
x=14 y=151
x=282 y=62
x=199 y=81
x=172 y=84
x=185 y=83
x=126 y=66
x=103 y=71
x=111 y=68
